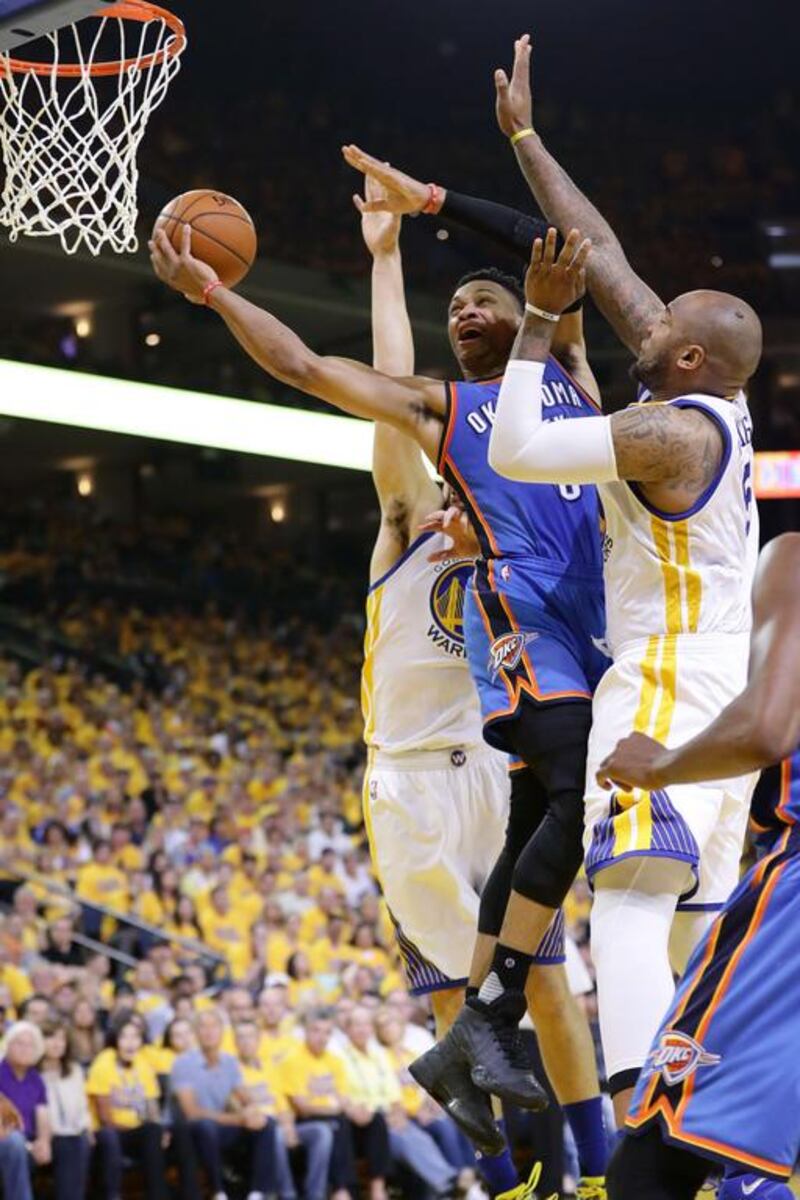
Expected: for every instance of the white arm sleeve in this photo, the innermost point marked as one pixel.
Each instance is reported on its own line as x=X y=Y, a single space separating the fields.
x=525 y=447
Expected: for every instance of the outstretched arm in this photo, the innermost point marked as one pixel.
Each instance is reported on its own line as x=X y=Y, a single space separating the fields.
x=401 y=480
x=414 y=405
x=514 y=231
x=760 y=727
x=627 y=303
x=672 y=452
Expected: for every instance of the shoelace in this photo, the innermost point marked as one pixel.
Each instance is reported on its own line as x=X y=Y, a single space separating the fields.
x=511 y=1043
x=591 y=1191
x=527 y=1191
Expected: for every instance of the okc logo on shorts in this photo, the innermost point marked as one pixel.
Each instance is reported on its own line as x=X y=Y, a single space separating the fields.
x=677 y=1056
x=505 y=652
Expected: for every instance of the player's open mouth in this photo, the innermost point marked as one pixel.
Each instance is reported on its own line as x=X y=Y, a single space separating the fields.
x=469 y=334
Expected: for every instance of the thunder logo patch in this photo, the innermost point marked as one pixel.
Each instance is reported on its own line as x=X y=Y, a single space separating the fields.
x=677 y=1056
x=506 y=652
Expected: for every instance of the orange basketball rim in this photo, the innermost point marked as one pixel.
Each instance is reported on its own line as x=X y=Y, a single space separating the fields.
x=127 y=10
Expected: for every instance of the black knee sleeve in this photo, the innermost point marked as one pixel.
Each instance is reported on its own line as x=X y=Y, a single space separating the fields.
x=527 y=809
x=552 y=739
x=647 y=1168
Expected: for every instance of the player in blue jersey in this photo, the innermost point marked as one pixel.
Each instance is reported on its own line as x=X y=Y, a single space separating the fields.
x=722 y=1080
x=533 y=613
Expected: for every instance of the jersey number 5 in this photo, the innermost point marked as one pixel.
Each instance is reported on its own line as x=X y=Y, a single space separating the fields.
x=747 y=494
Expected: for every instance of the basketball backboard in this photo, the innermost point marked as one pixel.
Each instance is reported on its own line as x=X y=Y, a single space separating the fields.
x=23 y=20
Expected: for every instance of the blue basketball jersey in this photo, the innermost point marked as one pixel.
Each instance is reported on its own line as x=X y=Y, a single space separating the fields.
x=559 y=525
x=776 y=801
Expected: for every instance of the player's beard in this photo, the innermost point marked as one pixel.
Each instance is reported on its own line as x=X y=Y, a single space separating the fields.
x=652 y=372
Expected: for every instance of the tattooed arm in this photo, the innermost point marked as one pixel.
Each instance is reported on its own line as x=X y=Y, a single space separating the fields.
x=625 y=300
x=672 y=453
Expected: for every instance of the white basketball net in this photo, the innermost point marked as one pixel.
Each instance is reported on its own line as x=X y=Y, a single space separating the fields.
x=69 y=144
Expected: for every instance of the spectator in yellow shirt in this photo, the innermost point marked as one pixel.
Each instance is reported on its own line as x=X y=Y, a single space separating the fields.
x=277 y=1040
x=227 y=931
x=17 y=982
x=331 y=953
x=124 y=1093
x=323 y=874
x=264 y=1086
x=124 y=853
x=304 y=986
x=366 y=951
x=236 y=1005
x=317 y=1084
x=101 y=883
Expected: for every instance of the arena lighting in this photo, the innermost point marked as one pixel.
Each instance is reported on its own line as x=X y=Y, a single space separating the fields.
x=191 y=418
x=85 y=484
x=268 y=430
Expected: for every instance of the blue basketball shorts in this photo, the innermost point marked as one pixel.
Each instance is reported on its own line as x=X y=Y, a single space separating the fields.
x=531 y=632
x=723 y=1074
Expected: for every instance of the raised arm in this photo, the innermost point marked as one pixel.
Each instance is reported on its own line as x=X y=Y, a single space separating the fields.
x=413 y=405
x=401 y=480
x=513 y=231
x=625 y=300
x=760 y=727
x=672 y=452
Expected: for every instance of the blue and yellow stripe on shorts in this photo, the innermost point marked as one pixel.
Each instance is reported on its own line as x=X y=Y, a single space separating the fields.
x=641 y=822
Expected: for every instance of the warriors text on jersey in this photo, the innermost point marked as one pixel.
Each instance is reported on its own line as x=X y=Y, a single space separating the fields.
x=416 y=690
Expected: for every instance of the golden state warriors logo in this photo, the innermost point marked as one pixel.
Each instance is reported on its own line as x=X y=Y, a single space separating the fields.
x=447 y=608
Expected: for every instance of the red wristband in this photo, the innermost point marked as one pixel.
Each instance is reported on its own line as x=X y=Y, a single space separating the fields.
x=435 y=199
x=211 y=287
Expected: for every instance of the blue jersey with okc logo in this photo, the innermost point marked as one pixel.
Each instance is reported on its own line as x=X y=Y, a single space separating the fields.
x=776 y=800
x=534 y=614
x=559 y=524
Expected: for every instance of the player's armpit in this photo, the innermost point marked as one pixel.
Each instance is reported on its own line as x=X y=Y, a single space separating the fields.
x=677 y=448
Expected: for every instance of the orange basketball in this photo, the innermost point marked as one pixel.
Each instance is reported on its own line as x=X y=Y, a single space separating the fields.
x=223 y=233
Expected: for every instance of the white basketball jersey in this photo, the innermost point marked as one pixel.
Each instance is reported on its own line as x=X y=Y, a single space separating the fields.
x=691 y=572
x=416 y=688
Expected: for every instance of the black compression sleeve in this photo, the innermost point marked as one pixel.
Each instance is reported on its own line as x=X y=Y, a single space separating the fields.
x=515 y=231
x=507 y=227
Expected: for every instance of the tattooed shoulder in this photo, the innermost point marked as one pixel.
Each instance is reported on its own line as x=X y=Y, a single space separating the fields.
x=658 y=443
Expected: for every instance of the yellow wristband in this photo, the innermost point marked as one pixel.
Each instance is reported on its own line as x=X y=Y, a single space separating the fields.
x=520 y=134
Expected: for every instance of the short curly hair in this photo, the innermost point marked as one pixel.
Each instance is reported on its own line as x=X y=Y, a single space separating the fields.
x=494 y=275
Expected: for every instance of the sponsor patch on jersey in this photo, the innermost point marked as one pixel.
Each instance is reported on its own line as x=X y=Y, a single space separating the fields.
x=677 y=1056
x=506 y=652
x=458 y=757
x=447 y=607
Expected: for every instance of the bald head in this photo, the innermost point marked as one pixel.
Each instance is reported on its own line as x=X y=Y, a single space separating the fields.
x=726 y=327
x=705 y=341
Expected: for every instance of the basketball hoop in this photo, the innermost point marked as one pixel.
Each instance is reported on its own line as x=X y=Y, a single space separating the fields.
x=71 y=122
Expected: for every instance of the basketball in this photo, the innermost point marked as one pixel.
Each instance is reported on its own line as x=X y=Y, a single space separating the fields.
x=223 y=233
